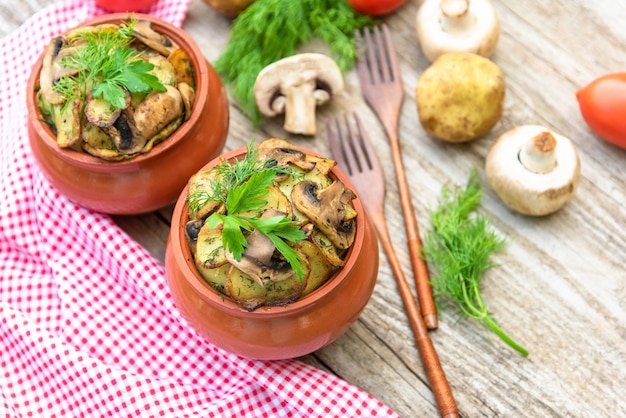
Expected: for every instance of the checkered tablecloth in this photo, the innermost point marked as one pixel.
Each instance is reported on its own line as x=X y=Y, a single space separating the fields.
x=87 y=324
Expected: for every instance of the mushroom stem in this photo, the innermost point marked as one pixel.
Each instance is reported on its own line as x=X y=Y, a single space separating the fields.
x=538 y=155
x=456 y=16
x=300 y=110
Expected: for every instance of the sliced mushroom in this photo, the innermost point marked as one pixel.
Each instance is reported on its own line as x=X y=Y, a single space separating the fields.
x=124 y=135
x=457 y=26
x=327 y=210
x=47 y=75
x=535 y=171
x=159 y=42
x=295 y=86
x=188 y=94
x=259 y=261
x=157 y=110
x=286 y=156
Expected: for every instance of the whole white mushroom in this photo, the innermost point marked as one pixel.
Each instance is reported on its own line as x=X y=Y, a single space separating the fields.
x=445 y=26
x=534 y=170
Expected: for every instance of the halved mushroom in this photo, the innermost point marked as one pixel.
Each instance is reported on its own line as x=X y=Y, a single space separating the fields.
x=295 y=86
x=535 y=171
x=159 y=42
x=259 y=260
x=327 y=210
x=457 y=26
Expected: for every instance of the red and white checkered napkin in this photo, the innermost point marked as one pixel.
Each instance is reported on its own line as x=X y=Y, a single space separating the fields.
x=87 y=324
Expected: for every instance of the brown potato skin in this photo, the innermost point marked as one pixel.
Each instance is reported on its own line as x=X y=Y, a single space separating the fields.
x=460 y=97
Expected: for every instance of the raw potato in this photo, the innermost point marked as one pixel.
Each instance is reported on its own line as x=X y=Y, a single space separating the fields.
x=229 y=8
x=460 y=97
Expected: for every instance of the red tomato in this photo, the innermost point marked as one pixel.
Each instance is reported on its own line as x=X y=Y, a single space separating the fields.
x=375 y=7
x=603 y=106
x=124 y=5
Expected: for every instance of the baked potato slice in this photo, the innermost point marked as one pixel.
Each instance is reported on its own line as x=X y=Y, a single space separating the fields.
x=321 y=268
x=210 y=248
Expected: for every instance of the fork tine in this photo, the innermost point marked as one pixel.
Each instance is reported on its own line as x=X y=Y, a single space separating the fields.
x=392 y=58
x=381 y=61
x=337 y=147
x=377 y=61
x=363 y=69
x=353 y=142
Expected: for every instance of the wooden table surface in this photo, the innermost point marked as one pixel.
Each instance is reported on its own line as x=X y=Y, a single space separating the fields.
x=560 y=285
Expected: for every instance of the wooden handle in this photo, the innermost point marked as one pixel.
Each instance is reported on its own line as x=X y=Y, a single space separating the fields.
x=420 y=270
x=430 y=360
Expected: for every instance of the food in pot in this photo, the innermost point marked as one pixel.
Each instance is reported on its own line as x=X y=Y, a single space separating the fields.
x=271 y=227
x=115 y=91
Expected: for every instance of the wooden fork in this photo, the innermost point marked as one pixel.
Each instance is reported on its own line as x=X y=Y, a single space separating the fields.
x=381 y=83
x=354 y=153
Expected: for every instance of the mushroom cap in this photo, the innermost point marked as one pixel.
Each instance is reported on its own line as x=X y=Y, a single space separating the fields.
x=530 y=192
x=444 y=26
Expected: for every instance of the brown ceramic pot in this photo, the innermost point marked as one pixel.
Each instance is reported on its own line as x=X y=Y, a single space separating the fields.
x=277 y=332
x=146 y=182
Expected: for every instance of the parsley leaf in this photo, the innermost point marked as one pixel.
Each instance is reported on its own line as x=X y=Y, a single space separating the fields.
x=241 y=185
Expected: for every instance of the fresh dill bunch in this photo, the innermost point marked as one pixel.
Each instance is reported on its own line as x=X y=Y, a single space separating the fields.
x=241 y=186
x=270 y=30
x=108 y=65
x=458 y=248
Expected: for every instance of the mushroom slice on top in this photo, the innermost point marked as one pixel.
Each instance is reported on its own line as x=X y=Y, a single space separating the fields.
x=327 y=210
x=534 y=170
x=295 y=86
x=258 y=260
x=457 y=26
x=47 y=76
x=159 y=42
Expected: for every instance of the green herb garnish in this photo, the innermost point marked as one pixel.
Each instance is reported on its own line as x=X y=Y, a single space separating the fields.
x=241 y=186
x=458 y=249
x=108 y=65
x=270 y=30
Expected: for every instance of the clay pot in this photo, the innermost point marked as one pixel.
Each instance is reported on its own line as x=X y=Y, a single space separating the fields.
x=277 y=332
x=149 y=181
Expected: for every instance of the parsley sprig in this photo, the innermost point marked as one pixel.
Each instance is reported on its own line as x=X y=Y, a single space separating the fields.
x=109 y=66
x=241 y=186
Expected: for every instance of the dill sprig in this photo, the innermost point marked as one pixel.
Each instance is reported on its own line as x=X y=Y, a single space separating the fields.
x=241 y=186
x=108 y=65
x=458 y=247
x=270 y=30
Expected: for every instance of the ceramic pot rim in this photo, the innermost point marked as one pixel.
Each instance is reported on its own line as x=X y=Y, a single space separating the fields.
x=185 y=263
x=83 y=159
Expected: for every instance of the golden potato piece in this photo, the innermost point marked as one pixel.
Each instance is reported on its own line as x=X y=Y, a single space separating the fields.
x=250 y=294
